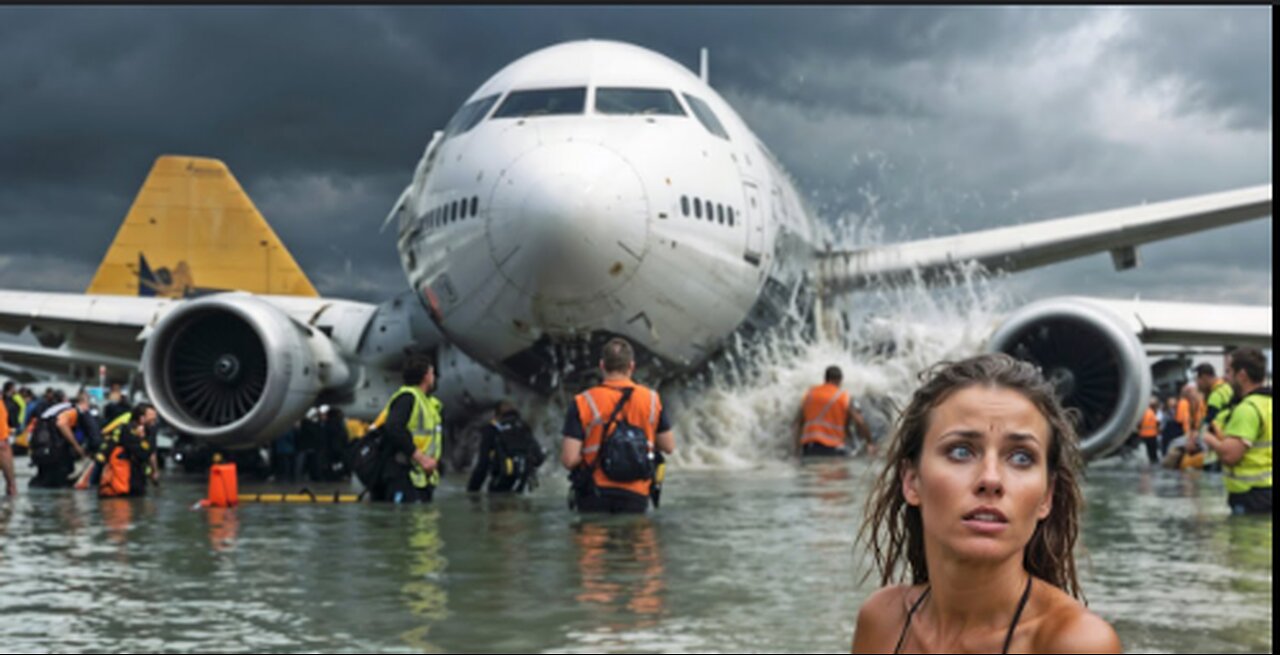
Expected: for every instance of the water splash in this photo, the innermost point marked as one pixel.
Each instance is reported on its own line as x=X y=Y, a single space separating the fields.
x=741 y=412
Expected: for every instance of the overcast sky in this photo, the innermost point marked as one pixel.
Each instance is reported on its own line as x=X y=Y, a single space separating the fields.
x=917 y=121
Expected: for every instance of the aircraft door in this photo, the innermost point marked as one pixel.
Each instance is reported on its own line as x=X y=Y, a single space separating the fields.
x=753 y=216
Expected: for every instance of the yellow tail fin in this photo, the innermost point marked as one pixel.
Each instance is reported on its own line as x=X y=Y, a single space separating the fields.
x=192 y=230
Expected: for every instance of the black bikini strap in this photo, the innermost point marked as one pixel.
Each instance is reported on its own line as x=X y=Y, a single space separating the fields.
x=1022 y=604
x=910 y=613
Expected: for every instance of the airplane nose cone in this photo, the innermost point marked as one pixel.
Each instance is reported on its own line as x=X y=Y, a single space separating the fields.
x=568 y=222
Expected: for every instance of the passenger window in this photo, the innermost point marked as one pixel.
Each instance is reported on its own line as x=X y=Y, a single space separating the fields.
x=705 y=116
x=684 y=205
x=622 y=101
x=543 y=102
x=469 y=116
x=453 y=211
x=720 y=213
x=697 y=208
x=475 y=205
x=731 y=217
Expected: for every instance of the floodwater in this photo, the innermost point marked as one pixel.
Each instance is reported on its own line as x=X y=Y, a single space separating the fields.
x=759 y=559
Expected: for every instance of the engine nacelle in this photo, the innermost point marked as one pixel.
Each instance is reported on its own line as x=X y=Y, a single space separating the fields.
x=234 y=371
x=1093 y=358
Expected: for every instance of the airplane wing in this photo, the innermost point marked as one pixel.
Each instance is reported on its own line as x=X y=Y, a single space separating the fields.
x=105 y=327
x=1193 y=324
x=1021 y=247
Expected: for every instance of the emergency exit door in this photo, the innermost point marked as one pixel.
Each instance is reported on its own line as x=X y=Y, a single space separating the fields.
x=753 y=218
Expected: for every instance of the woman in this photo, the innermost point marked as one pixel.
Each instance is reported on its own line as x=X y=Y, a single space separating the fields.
x=979 y=507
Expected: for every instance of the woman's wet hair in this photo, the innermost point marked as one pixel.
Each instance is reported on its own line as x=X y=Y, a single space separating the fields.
x=894 y=529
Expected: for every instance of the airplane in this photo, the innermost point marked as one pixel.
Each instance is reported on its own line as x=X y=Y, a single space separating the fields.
x=589 y=189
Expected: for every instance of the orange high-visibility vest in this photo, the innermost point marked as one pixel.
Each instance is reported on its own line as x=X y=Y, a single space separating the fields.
x=1183 y=415
x=826 y=413
x=1150 y=427
x=595 y=407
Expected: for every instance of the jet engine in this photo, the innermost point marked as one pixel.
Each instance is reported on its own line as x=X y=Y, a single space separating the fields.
x=1092 y=357
x=234 y=371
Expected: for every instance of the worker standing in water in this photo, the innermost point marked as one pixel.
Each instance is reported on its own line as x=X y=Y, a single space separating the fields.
x=827 y=416
x=1242 y=435
x=614 y=434
x=1149 y=431
x=412 y=444
x=1218 y=395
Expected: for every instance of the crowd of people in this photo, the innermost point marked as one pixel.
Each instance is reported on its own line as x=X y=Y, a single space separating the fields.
x=74 y=443
x=1219 y=424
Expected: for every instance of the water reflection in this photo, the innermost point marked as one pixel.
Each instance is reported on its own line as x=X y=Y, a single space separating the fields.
x=117 y=518
x=224 y=527
x=421 y=592
x=621 y=572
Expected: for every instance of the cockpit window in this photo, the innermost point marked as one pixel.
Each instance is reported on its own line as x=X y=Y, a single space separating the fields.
x=654 y=102
x=543 y=102
x=469 y=116
x=706 y=116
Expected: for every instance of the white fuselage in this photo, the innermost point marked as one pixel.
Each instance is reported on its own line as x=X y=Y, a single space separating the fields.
x=601 y=204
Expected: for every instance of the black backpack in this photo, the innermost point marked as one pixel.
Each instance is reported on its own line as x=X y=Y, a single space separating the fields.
x=47 y=444
x=625 y=455
x=366 y=459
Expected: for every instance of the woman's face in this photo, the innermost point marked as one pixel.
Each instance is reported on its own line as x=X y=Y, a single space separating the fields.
x=982 y=483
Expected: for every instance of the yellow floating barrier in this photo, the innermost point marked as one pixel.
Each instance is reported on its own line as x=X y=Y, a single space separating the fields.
x=305 y=497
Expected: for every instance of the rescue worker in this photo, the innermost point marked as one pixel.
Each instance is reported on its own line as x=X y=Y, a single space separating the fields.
x=1191 y=412
x=826 y=418
x=509 y=454
x=130 y=454
x=54 y=448
x=111 y=440
x=1242 y=435
x=1149 y=431
x=412 y=438
x=611 y=432
x=6 y=454
x=1218 y=394
x=14 y=406
x=1170 y=429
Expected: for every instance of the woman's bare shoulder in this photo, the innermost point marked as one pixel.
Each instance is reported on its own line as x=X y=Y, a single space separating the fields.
x=1069 y=627
x=882 y=616
x=891 y=602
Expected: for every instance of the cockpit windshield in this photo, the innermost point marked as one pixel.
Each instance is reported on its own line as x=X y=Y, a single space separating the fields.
x=469 y=116
x=707 y=117
x=624 y=101
x=543 y=102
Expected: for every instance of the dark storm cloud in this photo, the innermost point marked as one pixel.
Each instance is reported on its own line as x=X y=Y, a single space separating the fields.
x=921 y=120
x=1225 y=77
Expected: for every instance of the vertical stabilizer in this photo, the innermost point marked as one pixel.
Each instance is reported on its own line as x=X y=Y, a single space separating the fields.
x=192 y=230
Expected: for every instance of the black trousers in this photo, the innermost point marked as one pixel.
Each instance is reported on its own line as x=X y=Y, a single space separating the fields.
x=611 y=501
x=819 y=450
x=1255 y=501
x=1153 y=450
x=54 y=475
